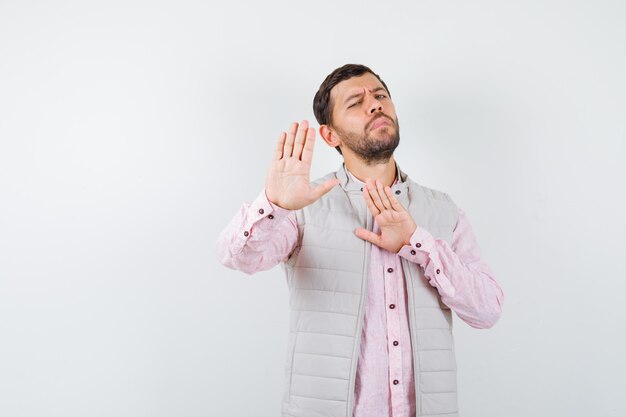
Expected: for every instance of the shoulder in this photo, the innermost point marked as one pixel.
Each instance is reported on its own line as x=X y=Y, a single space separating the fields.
x=433 y=209
x=429 y=193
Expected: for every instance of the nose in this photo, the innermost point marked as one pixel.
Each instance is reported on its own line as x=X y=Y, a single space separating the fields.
x=374 y=106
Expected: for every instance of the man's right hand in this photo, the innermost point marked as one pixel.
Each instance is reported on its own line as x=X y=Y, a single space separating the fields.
x=287 y=184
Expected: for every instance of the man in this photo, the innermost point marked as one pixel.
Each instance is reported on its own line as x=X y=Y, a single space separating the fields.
x=374 y=262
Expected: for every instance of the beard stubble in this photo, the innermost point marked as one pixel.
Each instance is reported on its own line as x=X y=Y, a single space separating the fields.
x=370 y=146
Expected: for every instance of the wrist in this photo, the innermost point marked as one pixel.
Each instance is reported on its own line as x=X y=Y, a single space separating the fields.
x=271 y=199
x=407 y=239
x=275 y=202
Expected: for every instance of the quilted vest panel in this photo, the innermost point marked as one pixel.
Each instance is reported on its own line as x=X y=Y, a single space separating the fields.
x=327 y=277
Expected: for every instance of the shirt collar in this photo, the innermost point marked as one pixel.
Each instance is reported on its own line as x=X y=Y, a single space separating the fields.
x=358 y=181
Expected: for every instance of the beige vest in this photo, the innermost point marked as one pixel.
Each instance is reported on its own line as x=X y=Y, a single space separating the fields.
x=327 y=276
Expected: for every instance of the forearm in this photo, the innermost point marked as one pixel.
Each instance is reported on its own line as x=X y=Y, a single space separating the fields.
x=259 y=237
x=464 y=281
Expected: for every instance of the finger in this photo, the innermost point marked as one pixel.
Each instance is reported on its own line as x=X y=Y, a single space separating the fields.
x=383 y=196
x=278 y=153
x=395 y=204
x=291 y=135
x=322 y=189
x=300 y=138
x=371 y=188
x=309 y=144
x=367 y=235
x=370 y=202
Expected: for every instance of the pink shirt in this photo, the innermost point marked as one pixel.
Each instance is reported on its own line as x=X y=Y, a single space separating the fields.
x=262 y=235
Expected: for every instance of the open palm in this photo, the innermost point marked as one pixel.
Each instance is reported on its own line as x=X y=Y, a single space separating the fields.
x=396 y=224
x=288 y=184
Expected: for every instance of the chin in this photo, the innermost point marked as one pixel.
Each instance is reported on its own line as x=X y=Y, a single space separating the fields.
x=386 y=132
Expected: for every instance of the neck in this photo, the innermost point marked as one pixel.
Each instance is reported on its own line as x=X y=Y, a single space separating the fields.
x=383 y=171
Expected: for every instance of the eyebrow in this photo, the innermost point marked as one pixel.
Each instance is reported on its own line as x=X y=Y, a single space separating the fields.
x=361 y=93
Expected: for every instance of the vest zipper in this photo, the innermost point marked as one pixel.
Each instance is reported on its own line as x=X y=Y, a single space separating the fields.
x=408 y=276
x=369 y=225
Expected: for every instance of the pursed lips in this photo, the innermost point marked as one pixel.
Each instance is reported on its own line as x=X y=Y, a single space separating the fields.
x=379 y=121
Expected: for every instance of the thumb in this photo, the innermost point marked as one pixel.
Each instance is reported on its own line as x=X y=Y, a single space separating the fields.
x=322 y=189
x=367 y=235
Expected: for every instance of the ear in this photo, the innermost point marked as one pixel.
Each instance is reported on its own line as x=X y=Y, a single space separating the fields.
x=329 y=136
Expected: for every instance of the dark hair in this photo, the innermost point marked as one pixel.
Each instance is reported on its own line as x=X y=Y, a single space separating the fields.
x=322 y=106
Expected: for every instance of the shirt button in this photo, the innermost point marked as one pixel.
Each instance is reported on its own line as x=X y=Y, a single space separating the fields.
x=413 y=252
x=271 y=216
x=246 y=233
x=392 y=306
x=439 y=270
x=395 y=343
x=261 y=211
x=390 y=270
x=396 y=382
x=398 y=192
x=419 y=245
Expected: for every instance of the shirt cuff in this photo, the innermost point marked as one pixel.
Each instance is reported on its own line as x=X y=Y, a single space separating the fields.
x=436 y=275
x=261 y=214
x=262 y=208
x=422 y=250
x=421 y=244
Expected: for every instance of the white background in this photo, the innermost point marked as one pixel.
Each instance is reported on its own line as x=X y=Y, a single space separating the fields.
x=131 y=132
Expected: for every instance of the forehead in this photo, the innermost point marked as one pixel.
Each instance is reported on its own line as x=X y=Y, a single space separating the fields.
x=354 y=85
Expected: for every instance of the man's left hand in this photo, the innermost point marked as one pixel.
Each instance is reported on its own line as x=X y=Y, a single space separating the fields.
x=396 y=224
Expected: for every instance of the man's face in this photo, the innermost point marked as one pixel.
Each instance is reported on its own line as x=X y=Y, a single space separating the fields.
x=364 y=117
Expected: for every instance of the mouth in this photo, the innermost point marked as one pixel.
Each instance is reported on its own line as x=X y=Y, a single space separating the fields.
x=379 y=122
